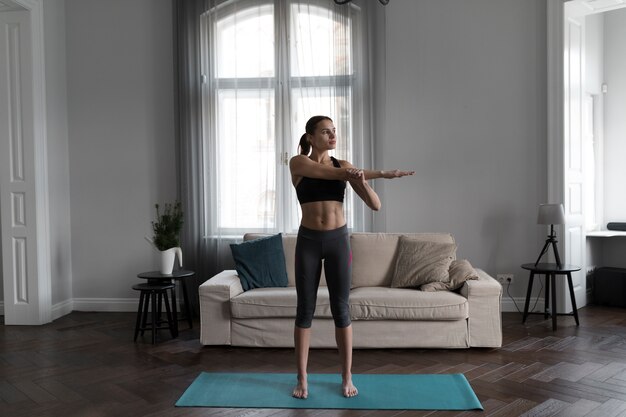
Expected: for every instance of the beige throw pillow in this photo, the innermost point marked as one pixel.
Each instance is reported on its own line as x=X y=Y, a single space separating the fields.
x=460 y=271
x=420 y=262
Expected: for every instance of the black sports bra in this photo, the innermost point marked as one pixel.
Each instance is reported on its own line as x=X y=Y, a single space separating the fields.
x=309 y=190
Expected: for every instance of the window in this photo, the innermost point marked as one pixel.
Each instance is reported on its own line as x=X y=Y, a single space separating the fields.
x=590 y=166
x=268 y=66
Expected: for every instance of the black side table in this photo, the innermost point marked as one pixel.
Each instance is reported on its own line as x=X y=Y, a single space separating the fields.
x=551 y=270
x=179 y=275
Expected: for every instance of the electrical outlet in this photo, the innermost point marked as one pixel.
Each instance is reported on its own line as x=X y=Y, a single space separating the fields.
x=505 y=279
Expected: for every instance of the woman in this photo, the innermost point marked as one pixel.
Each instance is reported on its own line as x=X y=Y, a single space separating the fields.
x=320 y=182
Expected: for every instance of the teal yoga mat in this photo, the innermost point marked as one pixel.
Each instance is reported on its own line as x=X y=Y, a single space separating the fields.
x=376 y=392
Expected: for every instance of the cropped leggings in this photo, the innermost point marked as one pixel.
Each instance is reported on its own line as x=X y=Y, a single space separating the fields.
x=333 y=246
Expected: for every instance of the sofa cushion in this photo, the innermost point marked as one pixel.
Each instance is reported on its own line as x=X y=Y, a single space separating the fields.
x=460 y=271
x=275 y=302
x=374 y=255
x=260 y=263
x=289 y=246
x=420 y=262
x=366 y=303
x=377 y=303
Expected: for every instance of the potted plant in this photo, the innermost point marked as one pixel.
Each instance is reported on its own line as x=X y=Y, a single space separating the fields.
x=166 y=228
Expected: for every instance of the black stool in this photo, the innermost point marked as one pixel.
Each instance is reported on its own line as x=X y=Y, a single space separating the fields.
x=180 y=275
x=156 y=293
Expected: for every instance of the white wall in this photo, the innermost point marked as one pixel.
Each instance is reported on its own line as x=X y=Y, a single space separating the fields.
x=58 y=154
x=594 y=53
x=614 y=133
x=594 y=78
x=121 y=141
x=462 y=102
x=615 y=122
x=465 y=106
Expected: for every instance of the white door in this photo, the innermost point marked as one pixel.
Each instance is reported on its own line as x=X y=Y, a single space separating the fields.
x=573 y=232
x=18 y=214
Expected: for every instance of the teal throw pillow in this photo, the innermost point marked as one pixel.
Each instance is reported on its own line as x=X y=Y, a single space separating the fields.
x=260 y=263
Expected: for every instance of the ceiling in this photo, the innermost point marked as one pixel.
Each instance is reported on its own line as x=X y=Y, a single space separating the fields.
x=9 y=6
x=585 y=7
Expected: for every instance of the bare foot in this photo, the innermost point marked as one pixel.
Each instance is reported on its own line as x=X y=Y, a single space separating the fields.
x=349 y=390
x=301 y=390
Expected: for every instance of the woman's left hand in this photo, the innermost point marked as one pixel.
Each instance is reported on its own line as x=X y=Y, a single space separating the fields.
x=396 y=173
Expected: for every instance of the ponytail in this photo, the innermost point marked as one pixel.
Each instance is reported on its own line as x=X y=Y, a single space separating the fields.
x=305 y=146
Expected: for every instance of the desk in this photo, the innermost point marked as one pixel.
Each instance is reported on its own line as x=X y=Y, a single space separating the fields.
x=606 y=233
x=551 y=270
x=605 y=251
x=180 y=275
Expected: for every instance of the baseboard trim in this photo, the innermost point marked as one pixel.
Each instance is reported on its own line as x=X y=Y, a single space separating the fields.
x=515 y=305
x=126 y=305
x=61 y=309
x=119 y=305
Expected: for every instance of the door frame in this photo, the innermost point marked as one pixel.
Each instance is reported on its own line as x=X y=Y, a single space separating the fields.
x=39 y=306
x=556 y=107
x=555 y=80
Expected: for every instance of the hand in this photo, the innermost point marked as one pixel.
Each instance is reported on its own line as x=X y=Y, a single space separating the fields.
x=396 y=173
x=355 y=174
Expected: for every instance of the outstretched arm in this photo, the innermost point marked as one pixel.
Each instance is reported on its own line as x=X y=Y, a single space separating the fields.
x=396 y=173
x=302 y=166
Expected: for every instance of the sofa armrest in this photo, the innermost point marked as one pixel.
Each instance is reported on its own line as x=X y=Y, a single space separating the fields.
x=484 y=296
x=215 y=295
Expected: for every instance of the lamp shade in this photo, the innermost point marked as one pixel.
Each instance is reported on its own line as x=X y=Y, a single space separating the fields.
x=551 y=214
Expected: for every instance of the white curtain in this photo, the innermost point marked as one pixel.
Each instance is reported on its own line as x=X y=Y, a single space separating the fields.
x=263 y=68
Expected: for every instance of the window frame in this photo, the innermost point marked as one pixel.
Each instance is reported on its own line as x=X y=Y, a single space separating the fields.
x=286 y=206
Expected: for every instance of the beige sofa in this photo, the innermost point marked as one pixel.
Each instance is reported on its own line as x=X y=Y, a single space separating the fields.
x=382 y=317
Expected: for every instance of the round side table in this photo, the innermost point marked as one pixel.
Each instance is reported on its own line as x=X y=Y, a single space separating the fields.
x=551 y=270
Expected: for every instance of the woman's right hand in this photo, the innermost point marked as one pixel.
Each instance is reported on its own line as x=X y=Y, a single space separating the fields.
x=355 y=174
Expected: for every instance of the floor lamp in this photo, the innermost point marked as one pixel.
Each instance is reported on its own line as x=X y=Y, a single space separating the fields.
x=551 y=214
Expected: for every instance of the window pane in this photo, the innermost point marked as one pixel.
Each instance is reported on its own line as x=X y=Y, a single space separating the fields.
x=246 y=159
x=336 y=104
x=308 y=102
x=320 y=44
x=589 y=165
x=245 y=43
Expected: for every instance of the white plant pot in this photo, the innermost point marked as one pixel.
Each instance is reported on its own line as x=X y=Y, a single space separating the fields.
x=167 y=260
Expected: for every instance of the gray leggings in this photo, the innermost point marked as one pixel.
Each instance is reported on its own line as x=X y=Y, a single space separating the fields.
x=333 y=246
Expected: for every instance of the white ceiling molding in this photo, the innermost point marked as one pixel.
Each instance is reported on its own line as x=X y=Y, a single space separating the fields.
x=587 y=7
x=9 y=6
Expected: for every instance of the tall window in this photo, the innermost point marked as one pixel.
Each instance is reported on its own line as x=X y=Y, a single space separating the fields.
x=268 y=66
x=590 y=166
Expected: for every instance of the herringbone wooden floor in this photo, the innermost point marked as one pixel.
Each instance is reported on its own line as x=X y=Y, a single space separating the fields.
x=86 y=364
